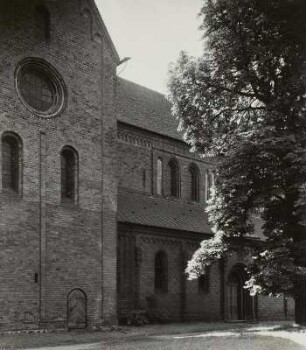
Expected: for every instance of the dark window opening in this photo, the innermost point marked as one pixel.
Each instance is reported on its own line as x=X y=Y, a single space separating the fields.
x=173 y=178
x=161 y=273
x=10 y=162
x=144 y=178
x=68 y=173
x=204 y=282
x=43 y=22
x=195 y=183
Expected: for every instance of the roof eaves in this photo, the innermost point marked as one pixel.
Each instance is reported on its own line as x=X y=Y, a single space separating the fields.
x=166 y=136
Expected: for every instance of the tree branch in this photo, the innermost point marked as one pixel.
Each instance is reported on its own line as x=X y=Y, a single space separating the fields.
x=237 y=92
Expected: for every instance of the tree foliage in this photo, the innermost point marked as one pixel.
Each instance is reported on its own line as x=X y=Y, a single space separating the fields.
x=244 y=102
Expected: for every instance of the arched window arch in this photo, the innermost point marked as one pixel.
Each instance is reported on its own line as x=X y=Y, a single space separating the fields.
x=43 y=21
x=173 y=179
x=194 y=174
x=159 y=176
x=69 y=173
x=161 y=272
x=11 y=162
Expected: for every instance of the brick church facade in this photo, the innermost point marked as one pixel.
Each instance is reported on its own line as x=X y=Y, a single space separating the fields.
x=101 y=202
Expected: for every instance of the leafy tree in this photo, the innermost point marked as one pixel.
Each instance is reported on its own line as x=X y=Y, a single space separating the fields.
x=244 y=103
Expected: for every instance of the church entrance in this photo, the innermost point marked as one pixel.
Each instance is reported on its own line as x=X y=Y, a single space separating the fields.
x=240 y=303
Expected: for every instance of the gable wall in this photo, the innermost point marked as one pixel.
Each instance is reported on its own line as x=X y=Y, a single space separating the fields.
x=40 y=235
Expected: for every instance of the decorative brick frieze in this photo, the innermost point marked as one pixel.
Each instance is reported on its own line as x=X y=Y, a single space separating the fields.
x=159 y=240
x=135 y=140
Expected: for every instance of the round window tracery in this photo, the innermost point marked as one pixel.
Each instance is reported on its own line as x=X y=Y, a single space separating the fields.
x=40 y=87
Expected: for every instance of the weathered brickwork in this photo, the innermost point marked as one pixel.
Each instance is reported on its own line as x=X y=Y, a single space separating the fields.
x=138 y=247
x=49 y=248
x=58 y=255
x=203 y=306
x=139 y=149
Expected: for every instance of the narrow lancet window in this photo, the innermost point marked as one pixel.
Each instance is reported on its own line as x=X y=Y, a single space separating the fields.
x=173 y=179
x=11 y=162
x=159 y=176
x=69 y=173
x=194 y=183
x=161 y=272
x=42 y=22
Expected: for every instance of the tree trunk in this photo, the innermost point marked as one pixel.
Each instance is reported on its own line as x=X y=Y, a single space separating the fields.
x=300 y=302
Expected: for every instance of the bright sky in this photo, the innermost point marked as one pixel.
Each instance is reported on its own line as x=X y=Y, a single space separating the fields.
x=152 y=33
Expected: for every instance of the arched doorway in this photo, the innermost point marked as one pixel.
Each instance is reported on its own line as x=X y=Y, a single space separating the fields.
x=240 y=304
x=76 y=309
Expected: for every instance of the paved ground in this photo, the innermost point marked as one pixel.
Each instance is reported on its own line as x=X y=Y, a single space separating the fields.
x=211 y=336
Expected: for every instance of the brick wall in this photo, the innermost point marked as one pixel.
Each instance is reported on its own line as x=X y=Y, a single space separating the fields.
x=167 y=304
x=67 y=245
x=139 y=149
x=203 y=306
x=135 y=168
x=183 y=301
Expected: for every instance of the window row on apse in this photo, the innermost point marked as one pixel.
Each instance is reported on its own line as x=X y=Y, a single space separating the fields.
x=12 y=172
x=169 y=180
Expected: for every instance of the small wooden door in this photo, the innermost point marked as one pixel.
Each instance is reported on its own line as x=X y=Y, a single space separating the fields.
x=76 y=309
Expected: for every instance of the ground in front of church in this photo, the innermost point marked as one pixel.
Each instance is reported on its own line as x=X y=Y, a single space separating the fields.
x=179 y=336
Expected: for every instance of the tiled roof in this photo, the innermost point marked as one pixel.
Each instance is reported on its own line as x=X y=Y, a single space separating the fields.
x=158 y=212
x=145 y=108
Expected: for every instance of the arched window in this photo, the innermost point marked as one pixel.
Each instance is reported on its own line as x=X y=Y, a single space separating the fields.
x=204 y=282
x=69 y=173
x=11 y=161
x=173 y=179
x=194 y=183
x=159 y=176
x=161 y=272
x=42 y=21
x=210 y=183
